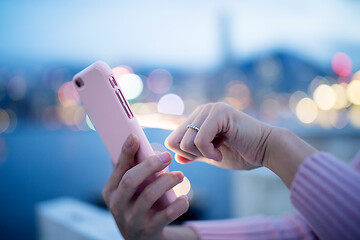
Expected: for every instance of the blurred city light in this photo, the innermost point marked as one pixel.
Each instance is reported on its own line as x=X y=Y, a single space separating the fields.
x=238 y=94
x=341 y=64
x=4 y=120
x=340 y=92
x=119 y=71
x=131 y=85
x=294 y=99
x=68 y=95
x=355 y=116
x=182 y=188
x=144 y=108
x=325 y=97
x=159 y=81
x=13 y=121
x=80 y=119
x=323 y=119
x=16 y=88
x=171 y=104
x=353 y=92
x=306 y=110
x=339 y=118
x=315 y=83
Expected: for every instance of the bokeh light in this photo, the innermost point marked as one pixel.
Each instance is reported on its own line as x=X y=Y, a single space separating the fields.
x=159 y=81
x=121 y=70
x=353 y=92
x=323 y=119
x=4 y=120
x=68 y=95
x=89 y=123
x=306 y=110
x=182 y=188
x=341 y=64
x=80 y=119
x=239 y=93
x=339 y=118
x=294 y=99
x=131 y=85
x=144 y=108
x=340 y=92
x=356 y=76
x=66 y=114
x=13 y=121
x=354 y=115
x=16 y=88
x=171 y=104
x=315 y=83
x=325 y=97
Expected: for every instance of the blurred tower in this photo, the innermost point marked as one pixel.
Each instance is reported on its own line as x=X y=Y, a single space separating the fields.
x=225 y=41
x=215 y=87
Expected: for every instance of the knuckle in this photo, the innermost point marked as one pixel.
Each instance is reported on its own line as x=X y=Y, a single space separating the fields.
x=104 y=195
x=174 y=179
x=152 y=163
x=199 y=142
x=149 y=229
x=113 y=207
x=129 y=218
x=127 y=181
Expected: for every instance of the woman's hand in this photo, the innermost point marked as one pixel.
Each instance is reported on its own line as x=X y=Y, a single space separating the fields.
x=133 y=212
x=226 y=138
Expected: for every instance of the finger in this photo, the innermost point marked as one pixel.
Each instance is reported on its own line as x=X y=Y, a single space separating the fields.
x=187 y=142
x=211 y=127
x=175 y=210
x=173 y=141
x=155 y=190
x=125 y=161
x=138 y=174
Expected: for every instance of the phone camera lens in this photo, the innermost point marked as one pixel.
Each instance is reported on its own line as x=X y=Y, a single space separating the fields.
x=79 y=82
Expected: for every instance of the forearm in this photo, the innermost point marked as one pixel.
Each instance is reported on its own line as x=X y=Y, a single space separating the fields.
x=179 y=233
x=258 y=227
x=284 y=154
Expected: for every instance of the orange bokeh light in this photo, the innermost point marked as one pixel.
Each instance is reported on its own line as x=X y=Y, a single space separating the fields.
x=67 y=95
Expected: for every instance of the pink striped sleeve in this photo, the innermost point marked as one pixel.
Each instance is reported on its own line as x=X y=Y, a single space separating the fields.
x=259 y=228
x=326 y=192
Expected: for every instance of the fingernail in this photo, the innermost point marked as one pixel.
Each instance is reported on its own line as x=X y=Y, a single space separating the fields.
x=179 y=175
x=129 y=141
x=164 y=157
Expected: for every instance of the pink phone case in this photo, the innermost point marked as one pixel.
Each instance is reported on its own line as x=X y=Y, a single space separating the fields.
x=111 y=115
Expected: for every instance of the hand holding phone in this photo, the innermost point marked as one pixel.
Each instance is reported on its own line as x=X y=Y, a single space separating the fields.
x=112 y=117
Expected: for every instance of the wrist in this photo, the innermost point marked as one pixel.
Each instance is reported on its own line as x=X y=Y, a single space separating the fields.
x=285 y=153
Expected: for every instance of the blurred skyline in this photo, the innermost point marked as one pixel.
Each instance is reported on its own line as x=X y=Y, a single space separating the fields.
x=182 y=34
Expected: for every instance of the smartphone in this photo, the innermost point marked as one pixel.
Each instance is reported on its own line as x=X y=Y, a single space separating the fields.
x=112 y=117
